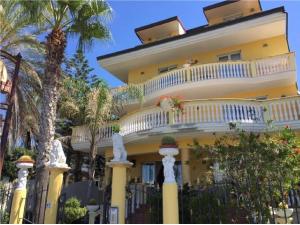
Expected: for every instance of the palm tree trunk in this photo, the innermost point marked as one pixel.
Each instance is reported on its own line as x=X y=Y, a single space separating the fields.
x=55 y=47
x=93 y=150
x=28 y=140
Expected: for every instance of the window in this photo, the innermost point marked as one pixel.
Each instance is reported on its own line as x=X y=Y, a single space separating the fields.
x=178 y=172
x=230 y=57
x=148 y=173
x=167 y=68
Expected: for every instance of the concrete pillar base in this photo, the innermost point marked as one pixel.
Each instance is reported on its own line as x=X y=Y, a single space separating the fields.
x=170 y=203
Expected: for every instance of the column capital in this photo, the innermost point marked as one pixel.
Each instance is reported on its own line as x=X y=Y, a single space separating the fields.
x=24 y=163
x=125 y=164
x=58 y=168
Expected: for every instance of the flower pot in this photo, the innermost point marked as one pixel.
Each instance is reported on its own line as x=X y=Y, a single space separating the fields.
x=92 y=208
x=170 y=150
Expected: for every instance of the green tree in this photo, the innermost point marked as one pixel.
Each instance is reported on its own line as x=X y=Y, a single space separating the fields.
x=254 y=164
x=13 y=39
x=10 y=170
x=78 y=67
x=248 y=155
x=83 y=20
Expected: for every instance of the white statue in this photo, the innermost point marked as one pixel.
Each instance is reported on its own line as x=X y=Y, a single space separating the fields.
x=119 y=150
x=168 y=162
x=22 y=178
x=57 y=155
x=218 y=173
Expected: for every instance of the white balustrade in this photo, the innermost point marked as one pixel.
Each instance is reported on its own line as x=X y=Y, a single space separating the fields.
x=220 y=70
x=284 y=110
x=201 y=112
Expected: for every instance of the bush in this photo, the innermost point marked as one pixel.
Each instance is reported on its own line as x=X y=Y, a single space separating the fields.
x=92 y=202
x=73 y=210
x=4 y=217
x=115 y=128
x=168 y=140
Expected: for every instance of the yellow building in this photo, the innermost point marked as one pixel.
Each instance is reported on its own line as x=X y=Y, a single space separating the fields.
x=237 y=68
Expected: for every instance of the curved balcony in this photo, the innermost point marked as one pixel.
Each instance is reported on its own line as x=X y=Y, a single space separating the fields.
x=231 y=76
x=200 y=116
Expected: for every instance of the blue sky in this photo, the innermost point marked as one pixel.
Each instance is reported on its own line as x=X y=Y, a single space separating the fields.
x=129 y=15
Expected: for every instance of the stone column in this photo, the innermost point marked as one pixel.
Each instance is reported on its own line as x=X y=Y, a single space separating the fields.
x=185 y=157
x=119 y=187
x=54 y=190
x=170 y=189
x=18 y=203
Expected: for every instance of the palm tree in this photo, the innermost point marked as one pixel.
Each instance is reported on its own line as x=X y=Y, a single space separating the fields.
x=102 y=108
x=98 y=112
x=94 y=105
x=13 y=39
x=82 y=19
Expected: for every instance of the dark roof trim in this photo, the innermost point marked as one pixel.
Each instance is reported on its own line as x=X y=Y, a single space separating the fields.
x=219 y=4
x=157 y=23
x=195 y=31
x=174 y=18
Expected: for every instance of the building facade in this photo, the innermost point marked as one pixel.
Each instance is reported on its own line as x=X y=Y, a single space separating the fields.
x=236 y=69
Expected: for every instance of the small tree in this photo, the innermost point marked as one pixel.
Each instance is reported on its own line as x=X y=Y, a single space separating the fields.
x=257 y=168
x=256 y=163
x=73 y=211
x=259 y=156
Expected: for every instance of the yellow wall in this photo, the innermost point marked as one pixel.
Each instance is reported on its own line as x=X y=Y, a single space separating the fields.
x=146 y=153
x=254 y=50
x=275 y=92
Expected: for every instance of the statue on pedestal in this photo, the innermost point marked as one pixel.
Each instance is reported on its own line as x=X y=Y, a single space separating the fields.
x=119 y=150
x=57 y=155
x=168 y=162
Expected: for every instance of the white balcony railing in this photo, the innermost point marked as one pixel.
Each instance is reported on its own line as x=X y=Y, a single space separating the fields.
x=203 y=114
x=220 y=70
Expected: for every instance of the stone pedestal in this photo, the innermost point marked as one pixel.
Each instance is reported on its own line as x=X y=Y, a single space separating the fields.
x=54 y=190
x=119 y=187
x=170 y=189
x=93 y=212
x=19 y=199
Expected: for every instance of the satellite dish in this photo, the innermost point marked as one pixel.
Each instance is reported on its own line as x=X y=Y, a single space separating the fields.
x=3 y=72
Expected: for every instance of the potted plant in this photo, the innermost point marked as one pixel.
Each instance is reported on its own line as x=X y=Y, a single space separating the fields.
x=168 y=146
x=92 y=205
x=282 y=206
x=115 y=128
x=165 y=103
x=174 y=103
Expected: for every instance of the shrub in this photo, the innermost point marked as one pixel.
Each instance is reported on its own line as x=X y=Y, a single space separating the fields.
x=92 y=202
x=73 y=211
x=168 y=140
x=115 y=128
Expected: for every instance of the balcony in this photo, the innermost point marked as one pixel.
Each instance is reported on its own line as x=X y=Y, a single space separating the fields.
x=200 y=116
x=199 y=81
